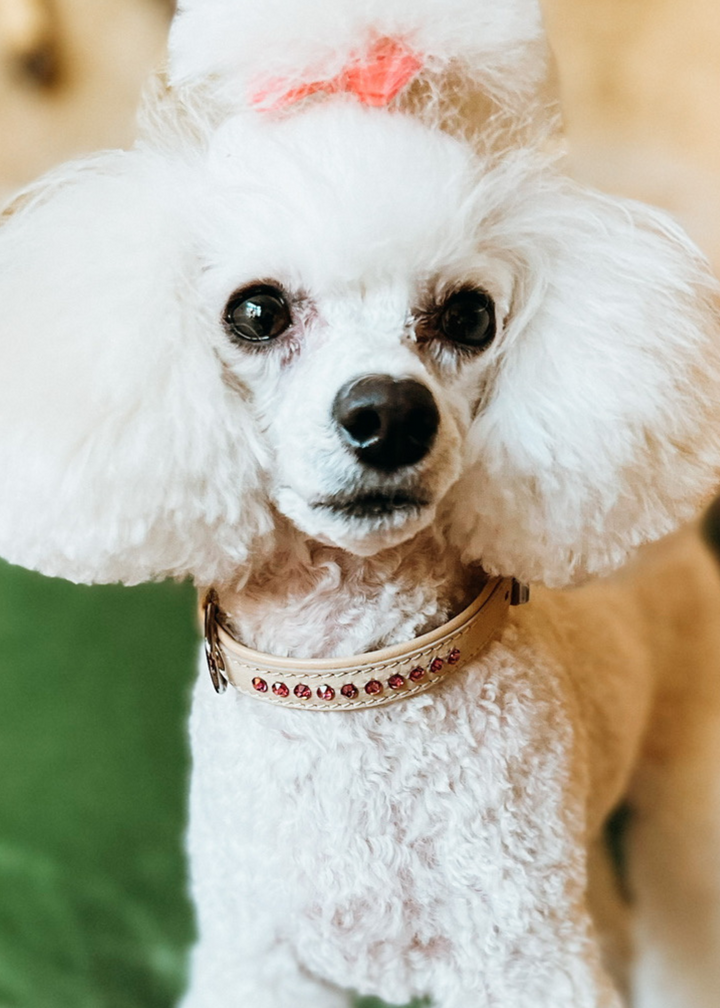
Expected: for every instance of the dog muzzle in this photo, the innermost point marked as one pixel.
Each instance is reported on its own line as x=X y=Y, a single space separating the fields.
x=359 y=681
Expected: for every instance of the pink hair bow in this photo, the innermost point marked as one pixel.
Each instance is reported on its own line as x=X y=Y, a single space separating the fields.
x=374 y=78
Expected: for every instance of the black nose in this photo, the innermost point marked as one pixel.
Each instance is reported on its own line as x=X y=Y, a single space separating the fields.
x=388 y=422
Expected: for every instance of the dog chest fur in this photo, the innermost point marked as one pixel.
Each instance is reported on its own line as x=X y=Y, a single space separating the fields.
x=402 y=848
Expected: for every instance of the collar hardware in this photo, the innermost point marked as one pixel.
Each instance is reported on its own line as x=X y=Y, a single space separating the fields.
x=213 y=652
x=519 y=593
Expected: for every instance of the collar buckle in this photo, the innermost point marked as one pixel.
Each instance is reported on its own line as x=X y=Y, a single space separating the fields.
x=519 y=593
x=213 y=654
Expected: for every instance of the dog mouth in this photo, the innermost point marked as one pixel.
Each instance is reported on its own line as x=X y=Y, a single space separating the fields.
x=376 y=504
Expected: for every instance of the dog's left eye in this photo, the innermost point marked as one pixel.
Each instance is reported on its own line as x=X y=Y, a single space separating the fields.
x=258 y=314
x=468 y=317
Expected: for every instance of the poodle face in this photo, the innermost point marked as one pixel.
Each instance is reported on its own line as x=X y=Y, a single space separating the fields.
x=353 y=320
x=356 y=320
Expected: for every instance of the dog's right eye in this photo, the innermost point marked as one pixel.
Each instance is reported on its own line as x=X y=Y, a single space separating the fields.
x=468 y=318
x=257 y=314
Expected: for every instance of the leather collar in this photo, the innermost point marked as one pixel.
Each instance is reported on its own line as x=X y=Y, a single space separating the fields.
x=366 y=680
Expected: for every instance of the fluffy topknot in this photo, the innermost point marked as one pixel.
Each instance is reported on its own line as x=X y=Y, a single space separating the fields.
x=497 y=49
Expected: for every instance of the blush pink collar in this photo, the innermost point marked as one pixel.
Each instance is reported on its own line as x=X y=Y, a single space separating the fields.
x=367 y=680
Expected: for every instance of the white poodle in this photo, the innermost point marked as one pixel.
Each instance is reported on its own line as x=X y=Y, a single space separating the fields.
x=356 y=363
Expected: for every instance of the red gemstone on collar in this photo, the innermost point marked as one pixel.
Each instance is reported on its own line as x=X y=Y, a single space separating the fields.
x=417 y=673
x=302 y=691
x=436 y=664
x=260 y=684
x=349 y=691
x=374 y=687
x=280 y=689
x=454 y=656
x=396 y=681
x=326 y=693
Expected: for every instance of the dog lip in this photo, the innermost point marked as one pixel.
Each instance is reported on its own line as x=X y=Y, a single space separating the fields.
x=374 y=504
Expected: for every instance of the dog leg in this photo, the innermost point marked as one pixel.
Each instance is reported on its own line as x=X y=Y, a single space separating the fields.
x=226 y=976
x=246 y=909
x=610 y=912
x=674 y=857
x=244 y=958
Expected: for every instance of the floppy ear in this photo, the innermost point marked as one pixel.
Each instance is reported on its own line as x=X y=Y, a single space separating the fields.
x=123 y=455
x=602 y=431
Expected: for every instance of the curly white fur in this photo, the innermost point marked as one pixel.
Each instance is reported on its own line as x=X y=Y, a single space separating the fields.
x=435 y=846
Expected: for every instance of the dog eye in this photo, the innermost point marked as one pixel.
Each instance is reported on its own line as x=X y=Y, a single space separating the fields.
x=257 y=315
x=468 y=317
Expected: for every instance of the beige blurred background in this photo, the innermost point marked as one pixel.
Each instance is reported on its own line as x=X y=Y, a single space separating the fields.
x=71 y=72
x=640 y=84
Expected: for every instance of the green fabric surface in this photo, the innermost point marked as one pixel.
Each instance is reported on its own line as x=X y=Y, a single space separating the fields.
x=93 y=695
x=94 y=692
